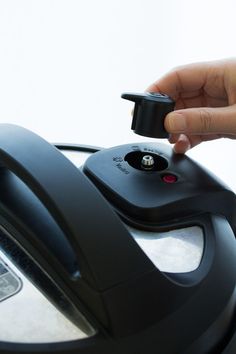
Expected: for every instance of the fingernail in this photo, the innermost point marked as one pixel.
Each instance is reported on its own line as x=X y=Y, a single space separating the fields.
x=182 y=145
x=175 y=123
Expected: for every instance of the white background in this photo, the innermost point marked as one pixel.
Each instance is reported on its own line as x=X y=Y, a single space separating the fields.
x=64 y=64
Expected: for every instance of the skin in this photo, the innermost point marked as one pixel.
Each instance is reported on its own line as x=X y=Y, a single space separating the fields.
x=205 y=96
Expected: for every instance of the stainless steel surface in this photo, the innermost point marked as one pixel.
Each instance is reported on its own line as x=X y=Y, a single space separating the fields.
x=29 y=317
x=78 y=158
x=174 y=251
x=147 y=162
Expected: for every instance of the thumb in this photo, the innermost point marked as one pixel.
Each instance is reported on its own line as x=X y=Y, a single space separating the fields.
x=204 y=120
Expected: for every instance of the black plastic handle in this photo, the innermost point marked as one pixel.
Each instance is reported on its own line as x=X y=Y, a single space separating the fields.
x=106 y=253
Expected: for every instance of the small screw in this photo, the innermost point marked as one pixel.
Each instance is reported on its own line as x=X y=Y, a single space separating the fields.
x=147 y=162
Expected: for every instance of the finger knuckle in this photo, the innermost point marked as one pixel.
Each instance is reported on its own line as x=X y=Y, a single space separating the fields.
x=205 y=117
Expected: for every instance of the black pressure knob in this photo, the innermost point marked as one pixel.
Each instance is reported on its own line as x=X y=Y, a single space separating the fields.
x=150 y=110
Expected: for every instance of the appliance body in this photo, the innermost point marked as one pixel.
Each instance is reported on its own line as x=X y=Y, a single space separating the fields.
x=113 y=256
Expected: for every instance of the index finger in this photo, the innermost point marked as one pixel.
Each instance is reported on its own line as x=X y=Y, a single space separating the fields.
x=188 y=79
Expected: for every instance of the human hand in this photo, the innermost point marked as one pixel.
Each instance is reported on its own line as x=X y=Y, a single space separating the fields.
x=205 y=96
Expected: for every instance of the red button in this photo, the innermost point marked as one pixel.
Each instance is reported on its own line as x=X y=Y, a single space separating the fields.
x=169 y=178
